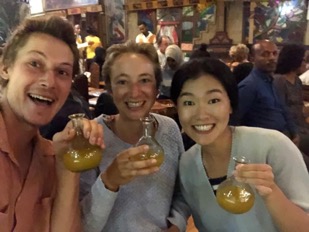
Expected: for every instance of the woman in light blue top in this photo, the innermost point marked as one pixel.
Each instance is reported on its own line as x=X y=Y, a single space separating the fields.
x=206 y=94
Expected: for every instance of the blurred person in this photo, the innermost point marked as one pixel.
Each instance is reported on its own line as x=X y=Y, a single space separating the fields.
x=93 y=42
x=242 y=70
x=239 y=54
x=145 y=36
x=174 y=58
x=200 y=52
x=163 y=42
x=289 y=88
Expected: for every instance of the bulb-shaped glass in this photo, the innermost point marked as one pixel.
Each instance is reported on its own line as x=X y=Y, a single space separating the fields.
x=155 y=150
x=81 y=155
x=233 y=196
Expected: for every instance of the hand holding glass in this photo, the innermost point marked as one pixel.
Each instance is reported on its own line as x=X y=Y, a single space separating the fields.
x=234 y=196
x=82 y=155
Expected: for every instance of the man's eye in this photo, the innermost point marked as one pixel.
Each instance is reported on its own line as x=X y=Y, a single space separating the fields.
x=63 y=73
x=213 y=101
x=34 y=64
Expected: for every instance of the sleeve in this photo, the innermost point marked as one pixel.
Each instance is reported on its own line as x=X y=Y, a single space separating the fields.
x=246 y=96
x=290 y=171
x=180 y=211
x=96 y=207
x=279 y=84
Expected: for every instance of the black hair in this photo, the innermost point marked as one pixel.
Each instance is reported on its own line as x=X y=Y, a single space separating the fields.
x=195 y=68
x=290 y=58
x=142 y=23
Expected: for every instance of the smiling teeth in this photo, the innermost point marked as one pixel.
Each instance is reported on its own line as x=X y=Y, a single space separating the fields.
x=135 y=104
x=41 y=98
x=203 y=127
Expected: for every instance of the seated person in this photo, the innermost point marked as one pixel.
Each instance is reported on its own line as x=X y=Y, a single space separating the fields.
x=242 y=70
x=289 y=88
x=105 y=105
x=174 y=58
x=73 y=105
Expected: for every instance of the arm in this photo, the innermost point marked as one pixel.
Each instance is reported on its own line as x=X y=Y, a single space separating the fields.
x=246 y=95
x=287 y=200
x=180 y=210
x=281 y=91
x=65 y=211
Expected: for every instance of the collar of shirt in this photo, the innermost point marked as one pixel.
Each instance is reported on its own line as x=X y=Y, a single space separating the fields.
x=40 y=144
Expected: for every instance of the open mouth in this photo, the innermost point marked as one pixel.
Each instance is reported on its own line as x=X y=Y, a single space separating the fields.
x=204 y=127
x=135 y=104
x=40 y=99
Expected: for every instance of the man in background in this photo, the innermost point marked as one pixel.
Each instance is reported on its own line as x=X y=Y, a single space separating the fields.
x=145 y=36
x=163 y=43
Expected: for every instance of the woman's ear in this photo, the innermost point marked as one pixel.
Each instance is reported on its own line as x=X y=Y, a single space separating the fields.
x=4 y=74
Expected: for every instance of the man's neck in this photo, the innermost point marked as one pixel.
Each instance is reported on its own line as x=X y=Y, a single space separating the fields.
x=18 y=131
x=146 y=33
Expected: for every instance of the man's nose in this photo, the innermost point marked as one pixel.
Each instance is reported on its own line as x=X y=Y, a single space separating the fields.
x=47 y=79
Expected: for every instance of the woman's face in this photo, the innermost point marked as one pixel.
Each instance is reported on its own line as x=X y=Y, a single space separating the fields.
x=133 y=85
x=171 y=63
x=204 y=109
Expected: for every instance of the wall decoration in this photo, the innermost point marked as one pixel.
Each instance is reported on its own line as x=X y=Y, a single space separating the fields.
x=11 y=14
x=279 y=21
x=116 y=21
x=64 y=4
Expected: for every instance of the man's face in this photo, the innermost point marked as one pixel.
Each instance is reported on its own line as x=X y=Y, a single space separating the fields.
x=77 y=29
x=142 y=28
x=39 y=80
x=265 y=56
x=164 y=44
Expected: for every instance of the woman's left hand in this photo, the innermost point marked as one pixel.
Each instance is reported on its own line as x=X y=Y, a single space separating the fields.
x=258 y=175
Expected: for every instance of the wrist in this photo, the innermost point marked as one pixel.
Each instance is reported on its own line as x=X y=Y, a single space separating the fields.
x=107 y=183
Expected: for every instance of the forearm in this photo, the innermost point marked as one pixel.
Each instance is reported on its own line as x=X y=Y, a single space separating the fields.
x=287 y=216
x=96 y=207
x=65 y=212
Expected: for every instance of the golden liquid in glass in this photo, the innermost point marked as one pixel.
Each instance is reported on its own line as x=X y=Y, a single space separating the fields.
x=159 y=156
x=77 y=160
x=235 y=199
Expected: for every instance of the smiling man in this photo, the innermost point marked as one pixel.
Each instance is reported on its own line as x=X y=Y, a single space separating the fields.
x=37 y=193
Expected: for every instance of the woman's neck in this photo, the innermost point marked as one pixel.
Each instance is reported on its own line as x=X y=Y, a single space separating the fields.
x=216 y=156
x=127 y=130
x=291 y=77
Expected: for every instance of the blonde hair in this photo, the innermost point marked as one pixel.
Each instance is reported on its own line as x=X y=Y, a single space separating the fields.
x=116 y=50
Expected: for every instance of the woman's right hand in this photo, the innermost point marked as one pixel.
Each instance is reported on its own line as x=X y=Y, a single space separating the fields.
x=123 y=169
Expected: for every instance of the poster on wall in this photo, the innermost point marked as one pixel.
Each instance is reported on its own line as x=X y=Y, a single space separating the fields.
x=61 y=4
x=115 y=13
